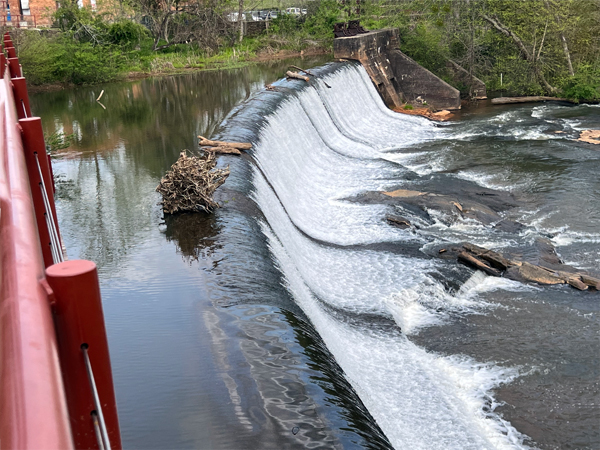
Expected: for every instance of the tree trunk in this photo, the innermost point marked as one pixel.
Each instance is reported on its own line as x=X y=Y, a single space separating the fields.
x=567 y=54
x=563 y=40
x=240 y=20
x=526 y=54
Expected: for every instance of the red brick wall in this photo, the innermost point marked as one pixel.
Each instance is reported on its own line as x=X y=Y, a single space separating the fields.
x=42 y=9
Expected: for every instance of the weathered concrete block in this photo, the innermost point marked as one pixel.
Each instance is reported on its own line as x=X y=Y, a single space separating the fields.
x=396 y=76
x=419 y=85
x=371 y=49
x=478 y=89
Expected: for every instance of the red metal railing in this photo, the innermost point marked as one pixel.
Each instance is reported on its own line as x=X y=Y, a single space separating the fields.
x=56 y=388
x=18 y=21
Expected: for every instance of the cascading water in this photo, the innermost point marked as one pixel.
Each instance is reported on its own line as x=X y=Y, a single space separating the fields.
x=303 y=313
x=321 y=147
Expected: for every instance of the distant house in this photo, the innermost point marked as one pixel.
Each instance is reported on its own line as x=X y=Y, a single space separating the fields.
x=32 y=13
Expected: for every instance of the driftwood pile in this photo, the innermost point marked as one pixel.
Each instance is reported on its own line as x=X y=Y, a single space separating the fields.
x=190 y=184
x=495 y=264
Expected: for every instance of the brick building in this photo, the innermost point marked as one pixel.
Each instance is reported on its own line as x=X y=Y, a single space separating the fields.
x=32 y=13
x=26 y=13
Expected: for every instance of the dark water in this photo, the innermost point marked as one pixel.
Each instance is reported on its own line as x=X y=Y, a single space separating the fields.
x=276 y=322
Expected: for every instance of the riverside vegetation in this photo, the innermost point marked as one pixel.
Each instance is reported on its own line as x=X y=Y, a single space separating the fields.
x=532 y=47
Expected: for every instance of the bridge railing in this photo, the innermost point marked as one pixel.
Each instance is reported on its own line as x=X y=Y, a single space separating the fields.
x=56 y=388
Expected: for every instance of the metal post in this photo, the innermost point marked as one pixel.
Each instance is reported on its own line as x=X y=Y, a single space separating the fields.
x=79 y=322
x=21 y=97
x=35 y=153
x=14 y=66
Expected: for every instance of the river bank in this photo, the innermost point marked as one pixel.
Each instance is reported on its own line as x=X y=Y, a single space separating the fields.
x=224 y=62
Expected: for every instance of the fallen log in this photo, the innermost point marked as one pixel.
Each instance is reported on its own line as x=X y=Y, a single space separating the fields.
x=297 y=76
x=307 y=72
x=590 y=281
x=478 y=264
x=539 y=274
x=577 y=283
x=225 y=149
x=530 y=99
x=495 y=259
x=239 y=145
x=590 y=136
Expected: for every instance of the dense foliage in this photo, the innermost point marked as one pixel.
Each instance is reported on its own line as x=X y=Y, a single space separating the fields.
x=547 y=47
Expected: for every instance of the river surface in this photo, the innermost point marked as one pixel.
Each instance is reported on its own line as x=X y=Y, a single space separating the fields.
x=297 y=316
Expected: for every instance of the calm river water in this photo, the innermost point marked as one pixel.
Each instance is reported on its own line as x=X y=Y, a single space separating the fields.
x=296 y=316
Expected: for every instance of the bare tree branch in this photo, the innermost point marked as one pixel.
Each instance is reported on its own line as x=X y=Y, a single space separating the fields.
x=525 y=53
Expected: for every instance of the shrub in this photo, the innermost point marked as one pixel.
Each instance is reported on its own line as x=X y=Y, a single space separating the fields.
x=585 y=85
x=62 y=59
x=127 y=33
x=321 y=17
x=37 y=55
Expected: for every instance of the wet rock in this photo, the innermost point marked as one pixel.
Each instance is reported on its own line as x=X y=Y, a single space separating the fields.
x=547 y=251
x=398 y=221
x=404 y=193
x=509 y=226
x=590 y=136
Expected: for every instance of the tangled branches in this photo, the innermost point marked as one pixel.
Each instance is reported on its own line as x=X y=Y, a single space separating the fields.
x=190 y=184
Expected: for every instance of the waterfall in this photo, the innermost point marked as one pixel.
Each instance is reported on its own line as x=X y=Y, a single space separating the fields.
x=317 y=149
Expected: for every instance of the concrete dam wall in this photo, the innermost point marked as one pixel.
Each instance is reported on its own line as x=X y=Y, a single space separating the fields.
x=398 y=78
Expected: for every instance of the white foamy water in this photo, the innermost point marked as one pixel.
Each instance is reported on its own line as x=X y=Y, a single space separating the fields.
x=315 y=150
x=419 y=399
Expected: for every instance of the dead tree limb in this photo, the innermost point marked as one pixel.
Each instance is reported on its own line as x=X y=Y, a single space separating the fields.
x=239 y=145
x=297 y=76
x=190 y=184
x=226 y=149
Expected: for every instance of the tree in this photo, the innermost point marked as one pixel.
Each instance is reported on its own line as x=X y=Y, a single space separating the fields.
x=183 y=21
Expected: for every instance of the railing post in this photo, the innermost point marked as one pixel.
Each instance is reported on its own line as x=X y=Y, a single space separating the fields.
x=45 y=211
x=80 y=326
x=14 y=66
x=21 y=98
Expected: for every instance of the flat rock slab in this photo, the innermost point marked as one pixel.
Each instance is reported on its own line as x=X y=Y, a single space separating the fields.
x=404 y=193
x=590 y=136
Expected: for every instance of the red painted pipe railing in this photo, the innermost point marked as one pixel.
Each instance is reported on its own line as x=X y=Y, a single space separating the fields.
x=56 y=387
x=77 y=292
x=32 y=399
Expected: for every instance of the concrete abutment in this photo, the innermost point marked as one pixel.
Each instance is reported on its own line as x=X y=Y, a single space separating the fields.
x=398 y=78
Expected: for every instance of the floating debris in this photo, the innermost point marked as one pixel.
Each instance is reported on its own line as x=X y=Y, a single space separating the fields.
x=190 y=184
x=234 y=148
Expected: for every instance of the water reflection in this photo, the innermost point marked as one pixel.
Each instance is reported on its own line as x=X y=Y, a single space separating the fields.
x=194 y=235
x=205 y=358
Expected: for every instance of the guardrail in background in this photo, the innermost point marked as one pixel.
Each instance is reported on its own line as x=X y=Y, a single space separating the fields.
x=56 y=388
x=18 y=21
